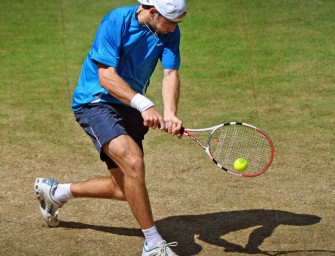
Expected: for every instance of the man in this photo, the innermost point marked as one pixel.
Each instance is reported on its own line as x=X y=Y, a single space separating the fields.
x=109 y=105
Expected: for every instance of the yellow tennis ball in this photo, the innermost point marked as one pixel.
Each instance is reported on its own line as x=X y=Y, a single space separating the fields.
x=240 y=164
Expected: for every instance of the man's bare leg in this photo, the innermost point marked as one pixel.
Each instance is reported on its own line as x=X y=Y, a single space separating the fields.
x=110 y=187
x=128 y=185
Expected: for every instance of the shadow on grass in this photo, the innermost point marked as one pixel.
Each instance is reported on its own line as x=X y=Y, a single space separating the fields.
x=211 y=227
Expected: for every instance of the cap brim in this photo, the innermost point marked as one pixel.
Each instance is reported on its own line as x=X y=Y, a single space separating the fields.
x=146 y=2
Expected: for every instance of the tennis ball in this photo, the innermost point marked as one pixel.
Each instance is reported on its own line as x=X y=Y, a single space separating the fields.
x=240 y=164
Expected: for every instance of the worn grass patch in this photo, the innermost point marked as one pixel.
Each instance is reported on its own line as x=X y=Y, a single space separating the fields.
x=268 y=63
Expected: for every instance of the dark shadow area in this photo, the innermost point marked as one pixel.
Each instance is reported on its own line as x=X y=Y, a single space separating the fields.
x=211 y=227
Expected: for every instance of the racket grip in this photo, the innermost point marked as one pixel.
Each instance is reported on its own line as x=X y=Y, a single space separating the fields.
x=181 y=130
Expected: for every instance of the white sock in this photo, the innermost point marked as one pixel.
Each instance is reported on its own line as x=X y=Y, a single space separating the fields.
x=63 y=193
x=152 y=237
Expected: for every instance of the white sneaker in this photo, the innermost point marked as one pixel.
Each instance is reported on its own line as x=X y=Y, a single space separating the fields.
x=161 y=249
x=50 y=207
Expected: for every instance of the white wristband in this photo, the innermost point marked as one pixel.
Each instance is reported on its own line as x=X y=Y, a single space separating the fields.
x=141 y=102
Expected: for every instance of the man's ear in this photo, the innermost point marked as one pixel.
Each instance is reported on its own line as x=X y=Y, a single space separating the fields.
x=153 y=10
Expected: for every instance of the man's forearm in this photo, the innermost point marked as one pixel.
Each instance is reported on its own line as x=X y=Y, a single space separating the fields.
x=121 y=90
x=115 y=85
x=171 y=92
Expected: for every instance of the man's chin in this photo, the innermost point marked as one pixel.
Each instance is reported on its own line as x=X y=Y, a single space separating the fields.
x=159 y=32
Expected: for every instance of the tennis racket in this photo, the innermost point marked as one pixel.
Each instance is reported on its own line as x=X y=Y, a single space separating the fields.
x=230 y=141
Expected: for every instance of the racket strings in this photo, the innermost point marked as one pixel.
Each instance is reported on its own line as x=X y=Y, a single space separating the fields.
x=237 y=141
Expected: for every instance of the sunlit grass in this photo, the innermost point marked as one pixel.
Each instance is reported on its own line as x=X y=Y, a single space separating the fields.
x=269 y=63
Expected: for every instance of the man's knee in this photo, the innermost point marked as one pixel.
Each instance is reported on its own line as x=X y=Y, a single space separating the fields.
x=127 y=154
x=135 y=168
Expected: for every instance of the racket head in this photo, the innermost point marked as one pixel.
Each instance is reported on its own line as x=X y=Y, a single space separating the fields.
x=230 y=141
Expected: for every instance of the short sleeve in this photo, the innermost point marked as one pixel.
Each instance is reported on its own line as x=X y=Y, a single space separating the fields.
x=171 y=56
x=107 y=43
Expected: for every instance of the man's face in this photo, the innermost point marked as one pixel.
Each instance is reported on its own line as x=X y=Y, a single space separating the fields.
x=162 y=25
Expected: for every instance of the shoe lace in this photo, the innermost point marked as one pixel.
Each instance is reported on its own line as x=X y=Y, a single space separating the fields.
x=166 y=250
x=53 y=209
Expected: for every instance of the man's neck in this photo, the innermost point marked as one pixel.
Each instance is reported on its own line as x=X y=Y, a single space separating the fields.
x=141 y=15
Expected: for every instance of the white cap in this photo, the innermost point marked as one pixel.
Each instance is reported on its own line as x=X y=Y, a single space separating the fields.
x=170 y=9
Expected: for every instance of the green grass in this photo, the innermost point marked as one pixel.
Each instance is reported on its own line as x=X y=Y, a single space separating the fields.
x=266 y=62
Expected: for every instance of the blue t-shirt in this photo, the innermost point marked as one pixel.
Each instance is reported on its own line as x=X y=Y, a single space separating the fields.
x=123 y=43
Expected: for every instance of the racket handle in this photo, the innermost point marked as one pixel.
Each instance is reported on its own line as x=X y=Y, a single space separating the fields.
x=181 y=130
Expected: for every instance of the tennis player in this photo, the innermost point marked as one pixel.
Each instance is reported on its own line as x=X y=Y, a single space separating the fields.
x=110 y=105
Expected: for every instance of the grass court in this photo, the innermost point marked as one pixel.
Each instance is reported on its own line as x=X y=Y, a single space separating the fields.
x=269 y=63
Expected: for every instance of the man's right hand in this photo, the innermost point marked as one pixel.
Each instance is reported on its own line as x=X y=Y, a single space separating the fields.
x=152 y=118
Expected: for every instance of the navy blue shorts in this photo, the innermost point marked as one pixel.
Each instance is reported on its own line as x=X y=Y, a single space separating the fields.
x=104 y=122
